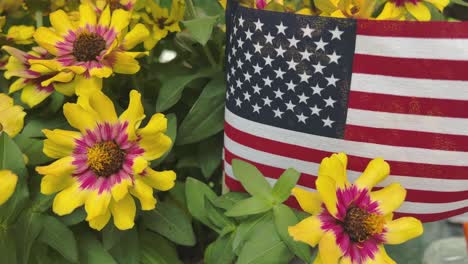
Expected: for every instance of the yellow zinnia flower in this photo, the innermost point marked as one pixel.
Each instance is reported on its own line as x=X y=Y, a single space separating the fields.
x=160 y=22
x=349 y=222
x=92 y=49
x=113 y=4
x=346 y=8
x=8 y=182
x=400 y=9
x=11 y=116
x=106 y=162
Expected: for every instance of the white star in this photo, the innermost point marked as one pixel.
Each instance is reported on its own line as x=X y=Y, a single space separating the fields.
x=247 y=76
x=232 y=89
x=280 y=51
x=336 y=33
x=248 y=34
x=258 y=25
x=334 y=57
x=269 y=38
x=281 y=29
x=332 y=80
x=318 y=68
x=291 y=85
x=327 y=122
x=317 y=90
x=303 y=98
x=292 y=64
x=278 y=113
x=257 y=68
x=304 y=77
x=320 y=44
x=267 y=81
x=307 y=31
x=240 y=43
x=238 y=102
x=233 y=71
x=329 y=102
x=302 y=118
x=234 y=50
x=256 y=108
x=247 y=96
x=229 y=57
x=238 y=83
x=241 y=21
x=257 y=89
x=279 y=73
x=268 y=60
x=305 y=54
x=267 y=101
x=315 y=110
x=278 y=94
x=248 y=55
x=235 y=29
x=258 y=47
x=293 y=42
x=290 y=106
x=239 y=63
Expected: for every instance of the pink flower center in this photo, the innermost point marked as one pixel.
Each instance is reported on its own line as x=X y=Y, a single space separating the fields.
x=360 y=224
x=88 y=46
x=402 y=2
x=105 y=158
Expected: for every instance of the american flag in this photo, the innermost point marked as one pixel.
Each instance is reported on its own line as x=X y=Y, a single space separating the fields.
x=303 y=87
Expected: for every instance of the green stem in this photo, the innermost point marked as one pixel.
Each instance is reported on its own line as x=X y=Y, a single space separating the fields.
x=191 y=11
x=38 y=17
x=210 y=57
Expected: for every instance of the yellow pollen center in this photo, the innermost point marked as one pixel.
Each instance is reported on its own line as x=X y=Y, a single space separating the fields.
x=360 y=224
x=105 y=158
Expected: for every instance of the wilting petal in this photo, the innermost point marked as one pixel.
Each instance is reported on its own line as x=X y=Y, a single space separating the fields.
x=8 y=182
x=134 y=114
x=402 y=230
x=308 y=231
x=389 y=198
x=309 y=201
x=159 y=180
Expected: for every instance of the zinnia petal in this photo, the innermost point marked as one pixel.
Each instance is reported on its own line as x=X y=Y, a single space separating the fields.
x=47 y=39
x=334 y=167
x=8 y=181
x=51 y=184
x=97 y=203
x=159 y=180
x=124 y=63
x=155 y=145
x=309 y=201
x=377 y=170
x=120 y=20
x=330 y=253
x=97 y=102
x=136 y=36
x=59 y=167
x=134 y=114
x=59 y=143
x=308 y=231
x=402 y=230
x=12 y=120
x=124 y=212
x=327 y=190
x=79 y=118
x=60 y=21
x=389 y=198
x=99 y=222
x=144 y=193
x=33 y=96
x=120 y=190
x=66 y=201
x=87 y=15
x=440 y=4
x=420 y=11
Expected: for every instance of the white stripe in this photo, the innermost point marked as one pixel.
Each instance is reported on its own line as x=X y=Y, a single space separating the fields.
x=433 y=124
x=419 y=48
x=311 y=168
x=360 y=149
x=407 y=207
x=438 y=89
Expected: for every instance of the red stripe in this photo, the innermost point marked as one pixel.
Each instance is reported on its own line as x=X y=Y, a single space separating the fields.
x=354 y=163
x=411 y=68
x=404 y=138
x=236 y=186
x=412 y=29
x=308 y=181
x=407 y=104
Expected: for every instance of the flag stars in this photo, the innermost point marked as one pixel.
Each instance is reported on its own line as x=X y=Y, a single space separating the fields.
x=256 y=108
x=293 y=42
x=332 y=80
x=239 y=63
x=290 y=106
x=307 y=31
x=269 y=38
x=279 y=94
x=258 y=47
x=267 y=81
x=238 y=83
x=281 y=28
x=327 y=122
x=318 y=68
x=238 y=102
x=232 y=89
x=291 y=85
x=302 y=118
x=247 y=76
x=304 y=77
x=247 y=96
x=334 y=57
x=279 y=73
x=248 y=56
x=303 y=98
x=267 y=101
x=278 y=113
x=241 y=21
x=248 y=34
x=320 y=45
x=240 y=43
x=329 y=102
x=257 y=68
x=292 y=64
x=257 y=89
x=336 y=33
x=280 y=51
x=317 y=90
x=315 y=110
x=268 y=60
x=258 y=25
x=305 y=54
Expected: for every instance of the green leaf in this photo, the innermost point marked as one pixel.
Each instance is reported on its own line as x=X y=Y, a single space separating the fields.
x=264 y=247
x=11 y=158
x=285 y=217
x=196 y=193
x=78 y=216
x=252 y=179
x=206 y=117
x=201 y=28
x=91 y=250
x=172 y=222
x=157 y=250
x=287 y=181
x=217 y=218
x=27 y=229
x=171 y=132
x=229 y=199
x=127 y=250
x=110 y=236
x=209 y=155
x=220 y=251
x=172 y=88
x=250 y=206
x=247 y=228
x=59 y=237
x=7 y=246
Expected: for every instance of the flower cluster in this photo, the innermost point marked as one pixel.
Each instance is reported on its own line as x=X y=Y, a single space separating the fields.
x=369 y=9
